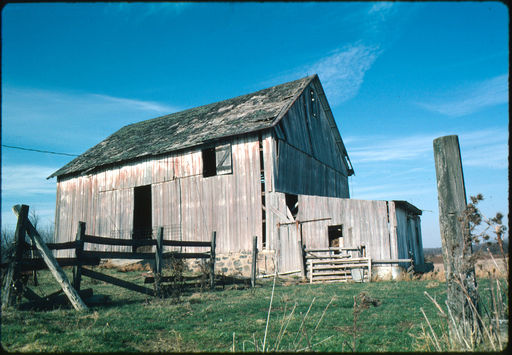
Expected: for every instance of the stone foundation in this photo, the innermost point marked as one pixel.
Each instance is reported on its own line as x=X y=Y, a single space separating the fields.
x=237 y=264
x=387 y=272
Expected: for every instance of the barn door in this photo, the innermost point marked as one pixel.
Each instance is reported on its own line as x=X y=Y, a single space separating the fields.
x=142 y=225
x=289 y=256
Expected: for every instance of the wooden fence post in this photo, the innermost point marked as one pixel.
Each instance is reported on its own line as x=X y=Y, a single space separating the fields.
x=310 y=270
x=12 y=280
x=456 y=244
x=159 y=260
x=254 y=259
x=54 y=267
x=79 y=248
x=212 y=260
x=159 y=250
x=303 y=265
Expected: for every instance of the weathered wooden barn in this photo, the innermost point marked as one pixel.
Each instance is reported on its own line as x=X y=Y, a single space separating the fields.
x=255 y=165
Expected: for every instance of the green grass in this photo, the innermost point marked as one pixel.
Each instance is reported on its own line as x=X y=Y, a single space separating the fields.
x=206 y=321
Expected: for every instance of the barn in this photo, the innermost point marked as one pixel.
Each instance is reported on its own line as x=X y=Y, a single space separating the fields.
x=270 y=164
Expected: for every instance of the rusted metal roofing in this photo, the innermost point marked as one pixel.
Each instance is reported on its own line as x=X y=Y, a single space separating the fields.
x=193 y=127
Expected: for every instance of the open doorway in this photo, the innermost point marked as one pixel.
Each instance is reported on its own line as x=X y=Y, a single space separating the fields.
x=142 y=224
x=335 y=235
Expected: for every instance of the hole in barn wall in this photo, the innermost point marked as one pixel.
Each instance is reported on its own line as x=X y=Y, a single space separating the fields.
x=209 y=165
x=335 y=233
x=292 y=202
x=142 y=224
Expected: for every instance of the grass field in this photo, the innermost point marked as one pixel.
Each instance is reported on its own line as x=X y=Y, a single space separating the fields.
x=234 y=317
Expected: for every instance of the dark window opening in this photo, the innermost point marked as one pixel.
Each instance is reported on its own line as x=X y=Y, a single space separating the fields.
x=217 y=160
x=142 y=224
x=209 y=163
x=292 y=201
x=335 y=233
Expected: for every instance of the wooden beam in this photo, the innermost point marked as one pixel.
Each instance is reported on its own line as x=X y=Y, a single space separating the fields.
x=117 y=241
x=184 y=243
x=40 y=264
x=118 y=282
x=456 y=243
x=12 y=281
x=117 y=255
x=54 y=267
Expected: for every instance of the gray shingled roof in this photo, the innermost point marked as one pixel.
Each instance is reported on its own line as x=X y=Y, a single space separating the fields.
x=193 y=127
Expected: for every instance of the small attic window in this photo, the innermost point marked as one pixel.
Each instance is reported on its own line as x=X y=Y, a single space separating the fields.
x=314 y=103
x=217 y=160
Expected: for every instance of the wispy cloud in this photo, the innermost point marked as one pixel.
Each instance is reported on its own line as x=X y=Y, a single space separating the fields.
x=142 y=11
x=48 y=114
x=134 y=104
x=468 y=100
x=383 y=6
x=483 y=148
x=342 y=72
x=25 y=180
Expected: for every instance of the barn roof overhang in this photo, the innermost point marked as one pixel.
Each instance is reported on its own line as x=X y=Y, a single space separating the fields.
x=408 y=207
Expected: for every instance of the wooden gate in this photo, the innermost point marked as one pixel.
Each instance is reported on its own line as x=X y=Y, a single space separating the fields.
x=338 y=265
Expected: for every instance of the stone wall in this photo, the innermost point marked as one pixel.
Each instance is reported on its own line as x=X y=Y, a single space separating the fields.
x=238 y=264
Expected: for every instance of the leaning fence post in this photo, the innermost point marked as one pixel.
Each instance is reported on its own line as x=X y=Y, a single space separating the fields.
x=52 y=264
x=79 y=248
x=254 y=258
x=12 y=278
x=212 y=260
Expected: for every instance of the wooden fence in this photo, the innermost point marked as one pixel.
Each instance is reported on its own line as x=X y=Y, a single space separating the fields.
x=337 y=264
x=18 y=262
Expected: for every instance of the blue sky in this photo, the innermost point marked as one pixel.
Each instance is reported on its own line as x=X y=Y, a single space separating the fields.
x=397 y=75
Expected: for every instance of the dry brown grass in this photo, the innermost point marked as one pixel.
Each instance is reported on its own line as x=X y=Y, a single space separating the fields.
x=484 y=268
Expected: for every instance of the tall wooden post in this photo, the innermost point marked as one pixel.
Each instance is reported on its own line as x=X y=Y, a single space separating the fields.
x=79 y=248
x=254 y=259
x=212 y=260
x=12 y=280
x=457 y=250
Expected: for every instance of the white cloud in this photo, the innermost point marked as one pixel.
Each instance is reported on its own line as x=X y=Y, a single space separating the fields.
x=342 y=72
x=134 y=104
x=27 y=180
x=483 y=148
x=57 y=118
x=383 y=6
x=465 y=101
x=141 y=11
x=384 y=148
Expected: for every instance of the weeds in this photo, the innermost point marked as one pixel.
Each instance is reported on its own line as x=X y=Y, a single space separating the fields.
x=296 y=341
x=488 y=315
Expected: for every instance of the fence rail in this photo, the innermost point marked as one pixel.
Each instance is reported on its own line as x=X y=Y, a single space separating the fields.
x=18 y=262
